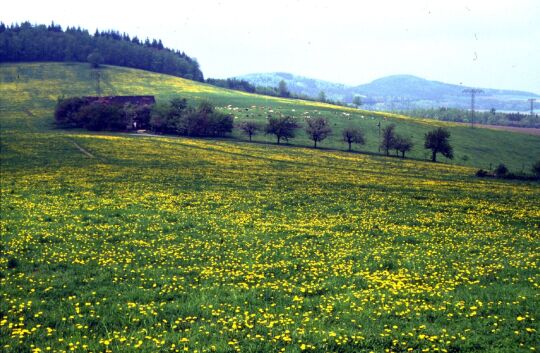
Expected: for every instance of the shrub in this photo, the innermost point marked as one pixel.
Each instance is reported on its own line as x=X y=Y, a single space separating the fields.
x=501 y=171
x=204 y=122
x=66 y=111
x=481 y=173
x=95 y=58
x=161 y=120
x=97 y=117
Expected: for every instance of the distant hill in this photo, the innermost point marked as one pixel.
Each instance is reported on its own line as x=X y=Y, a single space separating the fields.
x=397 y=92
x=300 y=85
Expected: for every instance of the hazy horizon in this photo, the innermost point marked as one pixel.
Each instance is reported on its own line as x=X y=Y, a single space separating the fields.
x=474 y=43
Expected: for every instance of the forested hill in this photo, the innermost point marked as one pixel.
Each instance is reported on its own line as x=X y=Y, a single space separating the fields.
x=26 y=42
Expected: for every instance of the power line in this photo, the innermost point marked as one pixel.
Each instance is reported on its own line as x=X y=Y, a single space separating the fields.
x=473 y=92
x=532 y=100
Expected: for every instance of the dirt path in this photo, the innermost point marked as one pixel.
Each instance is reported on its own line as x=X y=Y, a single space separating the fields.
x=85 y=152
x=32 y=128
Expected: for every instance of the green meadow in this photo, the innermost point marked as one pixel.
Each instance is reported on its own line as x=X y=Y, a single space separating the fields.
x=40 y=84
x=112 y=242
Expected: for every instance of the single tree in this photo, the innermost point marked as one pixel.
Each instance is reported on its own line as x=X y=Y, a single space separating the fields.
x=249 y=128
x=322 y=97
x=437 y=141
x=283 y=90
x=388 y=138
x=317 y=129
x=353 y=135
x=95 y=59
x=357 y=101
x=283 y=128
x=403 y=144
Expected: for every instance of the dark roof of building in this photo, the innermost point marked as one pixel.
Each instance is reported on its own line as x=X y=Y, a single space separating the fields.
x=121 y=100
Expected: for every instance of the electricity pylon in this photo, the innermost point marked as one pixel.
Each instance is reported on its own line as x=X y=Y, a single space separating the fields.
x=473 y=92
x=532 y=100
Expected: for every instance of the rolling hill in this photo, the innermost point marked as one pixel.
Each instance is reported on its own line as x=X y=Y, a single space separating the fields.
x=117 y=242
x=38 y=85
x=398 y=92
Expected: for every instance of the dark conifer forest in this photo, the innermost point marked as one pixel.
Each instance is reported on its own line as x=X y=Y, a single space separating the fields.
x=27 y=43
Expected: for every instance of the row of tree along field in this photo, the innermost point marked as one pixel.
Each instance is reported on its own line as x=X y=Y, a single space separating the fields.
x=26 y=43
x=203 y=120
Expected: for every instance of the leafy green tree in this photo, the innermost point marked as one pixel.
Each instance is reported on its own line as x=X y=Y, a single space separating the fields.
x=95 y=59
x=388 y=138
x=98 y=117
x=438 y=142
x=322 y=97
x=204 y=121
x=353 y=135
x=317 y=129
x=283 y=127
x=161 y=119
x=283 y=90
x=249 y=128
x=403 y=144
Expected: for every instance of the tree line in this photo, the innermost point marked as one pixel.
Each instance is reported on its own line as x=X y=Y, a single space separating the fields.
x=318 y=129
x=27 y=43
x=281 y=90
x=203 y=120
x=502 y=172
x=491 y=117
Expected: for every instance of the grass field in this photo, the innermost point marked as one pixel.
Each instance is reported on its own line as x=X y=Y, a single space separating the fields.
x=112 y=242
x=40 y=84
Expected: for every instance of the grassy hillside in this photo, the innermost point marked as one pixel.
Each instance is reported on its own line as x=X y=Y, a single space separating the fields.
x=31 y=86
x=112 y=242
x=123 y=243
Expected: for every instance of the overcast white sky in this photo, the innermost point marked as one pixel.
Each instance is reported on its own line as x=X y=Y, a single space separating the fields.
x=493 y=44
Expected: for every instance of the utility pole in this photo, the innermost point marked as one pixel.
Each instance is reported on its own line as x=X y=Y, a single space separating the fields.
x=532 y=100
x=473 y=92
x=379 y=125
